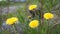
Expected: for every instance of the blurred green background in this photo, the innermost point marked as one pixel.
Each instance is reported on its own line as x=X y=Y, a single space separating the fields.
x=13 y=8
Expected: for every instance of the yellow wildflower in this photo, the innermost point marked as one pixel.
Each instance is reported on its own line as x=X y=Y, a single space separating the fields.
x=31 y=7
x=11 y=21
x=48 y=15
x=34 y=23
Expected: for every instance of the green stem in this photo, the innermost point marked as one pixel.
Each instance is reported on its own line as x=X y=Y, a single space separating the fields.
x=14 y=29
x=48 y=27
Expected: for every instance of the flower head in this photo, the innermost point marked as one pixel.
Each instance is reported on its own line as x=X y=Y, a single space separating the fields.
x=48 y=15
x=34 y=23
x=11 y=21
x=32 y=7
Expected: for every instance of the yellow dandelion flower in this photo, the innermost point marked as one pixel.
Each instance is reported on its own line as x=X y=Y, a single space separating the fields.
x=48 y=15
x=31 y=7
x=34 y=23
x=11 y=21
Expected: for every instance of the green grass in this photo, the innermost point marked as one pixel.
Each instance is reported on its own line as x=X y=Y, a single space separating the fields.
x=22 y=14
